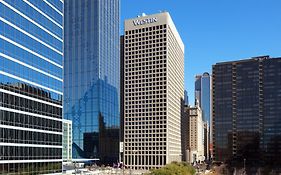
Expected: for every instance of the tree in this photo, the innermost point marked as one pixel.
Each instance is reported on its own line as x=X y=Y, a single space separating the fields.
x=174 y=168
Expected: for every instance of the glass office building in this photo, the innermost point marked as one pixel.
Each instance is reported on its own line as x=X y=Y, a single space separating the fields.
x=31 y=58
x=202 y=94
x=92 y=77
x=197 y=91
x=205 y=97
x=246 y=111
x=186 y=100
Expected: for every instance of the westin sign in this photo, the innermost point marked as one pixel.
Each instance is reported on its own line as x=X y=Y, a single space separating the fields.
x=144 y=21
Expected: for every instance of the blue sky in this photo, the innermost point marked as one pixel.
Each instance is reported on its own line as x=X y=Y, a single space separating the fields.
x=217 y=30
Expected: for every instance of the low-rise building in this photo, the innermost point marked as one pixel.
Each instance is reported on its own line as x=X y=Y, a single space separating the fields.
x=67 y=140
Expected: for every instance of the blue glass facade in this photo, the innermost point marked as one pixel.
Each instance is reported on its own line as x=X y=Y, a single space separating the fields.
x=31 y=66
x=205 y=97
x=91 y=77
x=186 y=101
x=202 y=94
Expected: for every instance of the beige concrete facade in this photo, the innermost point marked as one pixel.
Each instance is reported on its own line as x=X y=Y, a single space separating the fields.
x=153 y=91
x=195 y=134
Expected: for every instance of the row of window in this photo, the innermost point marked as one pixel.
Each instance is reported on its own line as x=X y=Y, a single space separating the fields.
x=29 y=137
x=145 y=162
x=142 y=127
x=146 y=89
x=145 y=48
x=158 y=118
x=30 y=168
x=27 y=121
x=146 y=38
x=27 y=153
x=144 y=42
x=23 y=104
x=161 y=83
x=147 y=29
x=144 y=139
x=148 y=124
x=142 y=71
x=136 y=114
x=150 y=60
x=138 y=35
x=147 y=65
x=147 y=107
x=145 y=111
x=147 y=45
x=147 y=93
x=132 y=135
x=145 y=53
x=147 y=99
x=20 y=87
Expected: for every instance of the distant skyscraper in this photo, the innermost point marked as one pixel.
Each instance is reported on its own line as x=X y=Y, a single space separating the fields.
x=198 y=89
x=31 y=57
x=153 y=91
x=92 y=77
x=205 y=97
x=202 y=94
x=246 y=111
x=186 y=102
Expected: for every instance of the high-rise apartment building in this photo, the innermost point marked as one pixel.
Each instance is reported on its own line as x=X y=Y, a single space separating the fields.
x=31 y=57
x=91 y=77
x=153 y=91
x=246 y=110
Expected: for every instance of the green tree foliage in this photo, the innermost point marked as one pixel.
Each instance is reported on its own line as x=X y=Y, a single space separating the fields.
x=174 y=168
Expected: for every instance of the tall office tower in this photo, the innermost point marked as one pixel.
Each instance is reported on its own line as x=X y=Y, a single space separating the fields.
x=194 y=134
x=186 y=101
x=198 y=89
x=31 y=68
x=203 y=97
x=202 y=94
x=153 y=91
x=246 y=110
x=92 y=76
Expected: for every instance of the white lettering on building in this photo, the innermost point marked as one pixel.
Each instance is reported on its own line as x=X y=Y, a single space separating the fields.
x=144 y=21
